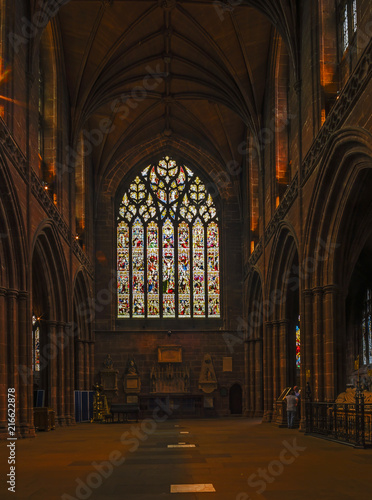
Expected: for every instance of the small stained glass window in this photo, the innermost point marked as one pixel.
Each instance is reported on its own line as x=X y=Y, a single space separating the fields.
x=349 y=22
x=35 y=344
x=345 y=29
x=298 y=345
x=355 y=15
x=366 y=328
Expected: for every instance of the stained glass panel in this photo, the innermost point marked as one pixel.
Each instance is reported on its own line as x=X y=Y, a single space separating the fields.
x=35 y=344
x=355 y=16
x=198 y=268
x=169 y=308
x=138 y=274
x=298 y=345
x=153 y=270
x=366 y=329
x=123 y=270
x=345 y=29
x=213 y=270
x=184 y=309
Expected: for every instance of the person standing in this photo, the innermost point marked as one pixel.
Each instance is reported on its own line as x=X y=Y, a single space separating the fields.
x=291 y=408
x=297 y=393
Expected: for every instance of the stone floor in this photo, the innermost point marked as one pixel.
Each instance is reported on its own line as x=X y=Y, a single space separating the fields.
x=241 y=459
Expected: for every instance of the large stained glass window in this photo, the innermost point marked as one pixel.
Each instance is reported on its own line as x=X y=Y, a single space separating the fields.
x=168 y=246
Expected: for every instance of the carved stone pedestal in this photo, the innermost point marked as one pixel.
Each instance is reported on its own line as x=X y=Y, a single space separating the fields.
x=132 y=382
x=109 y=379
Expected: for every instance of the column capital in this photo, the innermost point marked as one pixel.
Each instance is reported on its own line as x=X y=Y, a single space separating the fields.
x=23 y=294
x=331 y=289
x=3 y=290
x=30 y=78
x=283 y=322
x=297 y=86
x=12 y=293
x=318 y=290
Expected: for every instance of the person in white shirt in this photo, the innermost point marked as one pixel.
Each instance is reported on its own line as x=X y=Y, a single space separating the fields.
x=291 y=408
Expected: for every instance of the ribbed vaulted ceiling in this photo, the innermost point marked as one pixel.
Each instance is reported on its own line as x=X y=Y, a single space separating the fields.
x=191 y=70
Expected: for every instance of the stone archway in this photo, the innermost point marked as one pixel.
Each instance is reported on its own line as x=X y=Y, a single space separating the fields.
x=50 y=306
x=254 y=401
x=282 y=313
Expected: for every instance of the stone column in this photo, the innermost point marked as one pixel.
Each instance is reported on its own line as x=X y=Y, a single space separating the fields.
x=307 y=337
x=259 y=368
x=61 y=417
x=24 y=369
x=13 y=360
x=268 y=372
x=330 y=298
x=246 y=380
x=318 y=336
x=3 y=365
x=252 y=382
x=80 y=357
x=51 y=358
x=86 y=366
x=71 y=359
x=91 y=352
x=306 y=346
x=276 y=362
x=68 y=340
x=30 y=386
x=283 y=355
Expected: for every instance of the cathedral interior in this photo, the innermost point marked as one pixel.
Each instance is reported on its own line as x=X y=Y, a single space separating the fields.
x=186 y=221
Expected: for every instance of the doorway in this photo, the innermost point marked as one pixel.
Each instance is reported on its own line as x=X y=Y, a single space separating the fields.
x=236 y=400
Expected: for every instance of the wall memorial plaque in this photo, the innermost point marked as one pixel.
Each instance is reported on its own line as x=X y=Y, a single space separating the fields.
x=227 y=364
x=170 y=354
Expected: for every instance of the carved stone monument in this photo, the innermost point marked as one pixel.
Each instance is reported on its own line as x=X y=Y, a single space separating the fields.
x=169 y=378
x=169 y=375
x=207 y=378
x=132 y=381
x=349 y=396
x=109 y=379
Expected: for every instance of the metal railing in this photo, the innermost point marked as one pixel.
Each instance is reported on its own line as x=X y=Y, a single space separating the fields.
x=349 y=423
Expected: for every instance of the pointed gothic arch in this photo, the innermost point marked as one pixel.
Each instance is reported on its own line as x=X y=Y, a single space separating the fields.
x=168 y=239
